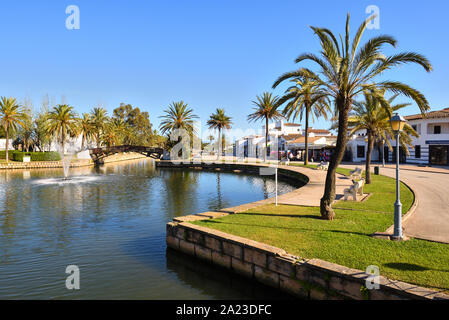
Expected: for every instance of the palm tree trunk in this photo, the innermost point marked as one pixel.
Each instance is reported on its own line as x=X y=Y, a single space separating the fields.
x=7 y=143
x=219 y=142
x=329 y=189
x=306 y=158
x=223 y=142
x=368 y=158
x=266 y=139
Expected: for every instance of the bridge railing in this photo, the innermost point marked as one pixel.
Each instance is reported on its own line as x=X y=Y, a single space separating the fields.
x=97 y=153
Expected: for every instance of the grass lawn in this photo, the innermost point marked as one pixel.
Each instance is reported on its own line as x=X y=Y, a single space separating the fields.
x=346 y=240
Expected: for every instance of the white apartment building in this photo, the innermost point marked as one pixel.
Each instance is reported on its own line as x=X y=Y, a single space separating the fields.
x=430 y=148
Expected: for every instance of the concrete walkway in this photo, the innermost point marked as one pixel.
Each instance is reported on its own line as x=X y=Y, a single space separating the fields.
x=431 y=218
x=310 y=194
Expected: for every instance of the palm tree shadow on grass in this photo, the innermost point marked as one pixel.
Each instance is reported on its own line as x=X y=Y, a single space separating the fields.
x=284 y=228
x=403 y=266
x=306 y=216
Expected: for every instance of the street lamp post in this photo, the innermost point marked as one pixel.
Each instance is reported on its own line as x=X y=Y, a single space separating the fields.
x=397 y=124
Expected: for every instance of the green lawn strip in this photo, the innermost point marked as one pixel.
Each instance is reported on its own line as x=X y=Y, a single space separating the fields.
x=346 y=240
x=382 y=192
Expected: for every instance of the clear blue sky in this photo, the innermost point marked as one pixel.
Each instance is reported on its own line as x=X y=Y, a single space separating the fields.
x=211 y=53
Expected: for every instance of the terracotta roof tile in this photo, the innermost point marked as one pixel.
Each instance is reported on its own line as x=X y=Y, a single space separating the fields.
x=291 y=136
x=319 y=131
x=444 y=113
x=303 y=139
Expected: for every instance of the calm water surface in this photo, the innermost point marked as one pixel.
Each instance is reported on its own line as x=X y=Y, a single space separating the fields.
x=110 y=222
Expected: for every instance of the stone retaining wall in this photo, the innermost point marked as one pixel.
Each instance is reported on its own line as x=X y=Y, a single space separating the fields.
x=75 y=164
x=312 y=279
x=283 y=173
x=42 y=164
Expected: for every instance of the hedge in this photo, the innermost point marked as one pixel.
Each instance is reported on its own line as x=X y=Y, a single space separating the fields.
x=10 y=154
x=37 y=156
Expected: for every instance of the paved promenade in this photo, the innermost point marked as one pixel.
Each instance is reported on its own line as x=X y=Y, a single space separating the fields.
x=310 y=194
x=431 y=218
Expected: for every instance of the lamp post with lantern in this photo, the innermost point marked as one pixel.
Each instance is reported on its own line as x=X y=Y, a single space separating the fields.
x=397 y=125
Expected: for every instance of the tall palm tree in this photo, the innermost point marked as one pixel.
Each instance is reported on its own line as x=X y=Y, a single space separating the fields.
x=86 y=129
x=348 y=69
x=99 y=117
x=219 y=121
x=305 y=97
x=266 y=108
x=112 y=133
x=62 y=122
x=373 y=115
x=11 y=116
x=178 y=116
x=124 y=132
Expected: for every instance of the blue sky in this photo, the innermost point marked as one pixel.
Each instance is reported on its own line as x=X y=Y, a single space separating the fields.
x=211 y=54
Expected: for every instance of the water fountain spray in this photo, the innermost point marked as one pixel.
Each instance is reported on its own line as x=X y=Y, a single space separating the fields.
x=66 y=156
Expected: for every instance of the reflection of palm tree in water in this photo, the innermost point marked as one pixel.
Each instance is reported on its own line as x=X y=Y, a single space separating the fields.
x=11 y=203
x=265 y=188
x=218 y=202
x=219 y=198
x=180 y=191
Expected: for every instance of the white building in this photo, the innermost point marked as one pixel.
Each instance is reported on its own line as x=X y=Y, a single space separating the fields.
x=3 y=144
x=288 y=136
x=280 y=127
x=320 y=145
x=431 y=147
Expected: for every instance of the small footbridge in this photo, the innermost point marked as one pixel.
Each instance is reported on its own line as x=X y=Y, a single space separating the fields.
x=98 y=154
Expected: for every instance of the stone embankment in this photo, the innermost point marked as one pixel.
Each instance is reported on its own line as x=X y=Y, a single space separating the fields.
x=76 y=163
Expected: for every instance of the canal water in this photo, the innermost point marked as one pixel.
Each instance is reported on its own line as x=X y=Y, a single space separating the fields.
x=110 y=222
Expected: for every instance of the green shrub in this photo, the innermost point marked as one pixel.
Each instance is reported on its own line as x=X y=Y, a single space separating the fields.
x=10 y=154
x=37 y=156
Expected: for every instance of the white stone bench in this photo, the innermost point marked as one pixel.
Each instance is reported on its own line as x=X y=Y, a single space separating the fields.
x=356 y=188
x=323 y=166
x=356 y=174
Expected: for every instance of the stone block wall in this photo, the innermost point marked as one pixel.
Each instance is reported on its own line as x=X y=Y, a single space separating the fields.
x=312 y=279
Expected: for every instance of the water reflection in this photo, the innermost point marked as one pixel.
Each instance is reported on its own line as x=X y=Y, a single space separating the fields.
x=111 y=223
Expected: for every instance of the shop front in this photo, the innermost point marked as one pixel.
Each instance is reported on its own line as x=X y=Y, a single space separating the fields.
x=439 y=155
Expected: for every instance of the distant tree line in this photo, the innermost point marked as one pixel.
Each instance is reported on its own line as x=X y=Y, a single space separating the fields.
x=37 y=131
